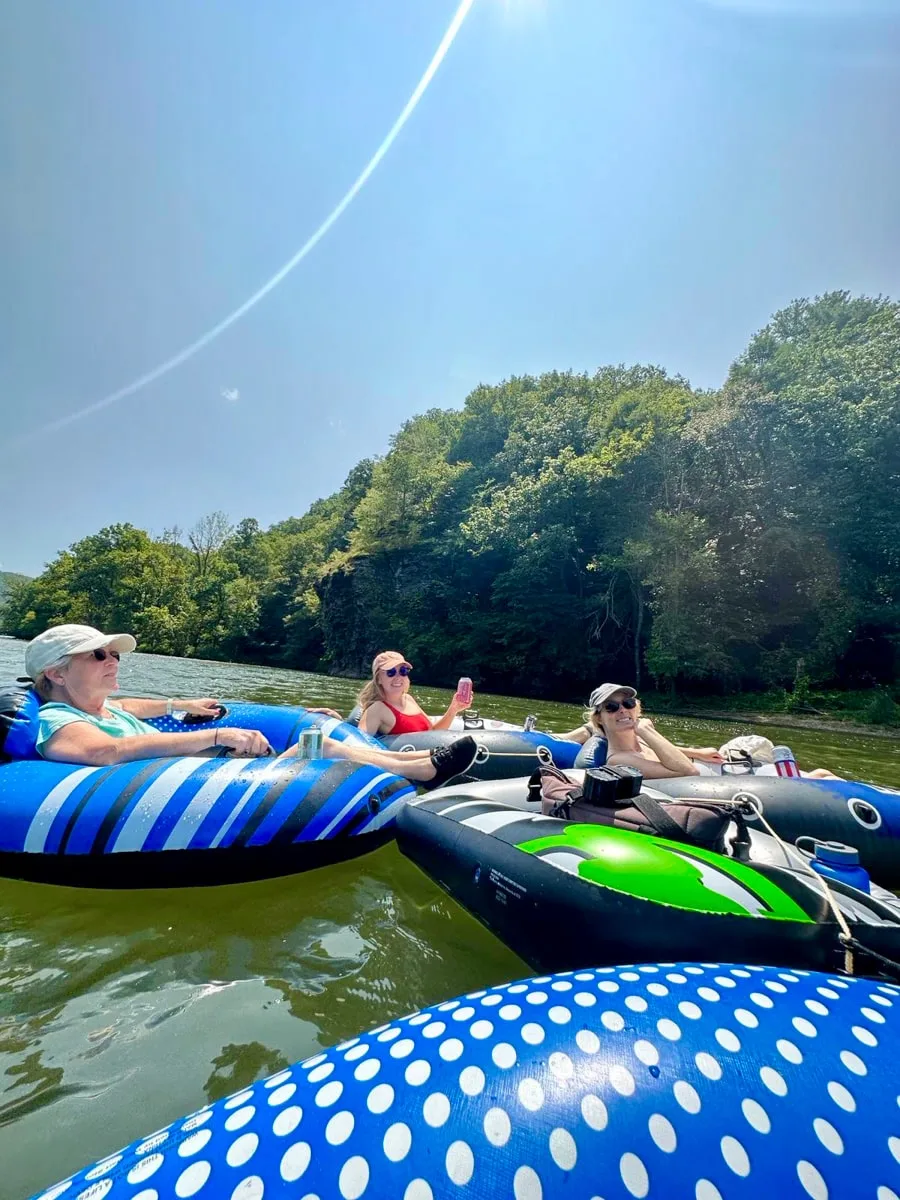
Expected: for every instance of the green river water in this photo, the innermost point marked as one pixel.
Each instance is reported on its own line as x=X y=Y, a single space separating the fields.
x=121 y=1010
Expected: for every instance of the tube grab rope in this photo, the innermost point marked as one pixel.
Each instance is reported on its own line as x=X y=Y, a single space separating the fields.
x=846 y=937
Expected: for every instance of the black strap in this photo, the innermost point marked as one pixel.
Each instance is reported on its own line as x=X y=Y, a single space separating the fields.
x=854 y=944
x=535 y=783
x=740 y=846
x=665 y=825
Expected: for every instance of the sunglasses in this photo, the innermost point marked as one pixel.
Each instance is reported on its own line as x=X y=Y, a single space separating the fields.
x=103 y=655
x=613 y=706
x=392 y=671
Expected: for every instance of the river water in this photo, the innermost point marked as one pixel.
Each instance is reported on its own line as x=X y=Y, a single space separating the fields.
x=121 y=1010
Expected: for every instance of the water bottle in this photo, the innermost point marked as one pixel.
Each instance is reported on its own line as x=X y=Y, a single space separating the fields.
x=530 y=723
x=785 y=763
x=309 y=743
x=464 y=691
x=834 y=860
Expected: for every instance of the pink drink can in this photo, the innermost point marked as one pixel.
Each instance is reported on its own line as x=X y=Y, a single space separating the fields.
x=785 y=763
x=464 y=690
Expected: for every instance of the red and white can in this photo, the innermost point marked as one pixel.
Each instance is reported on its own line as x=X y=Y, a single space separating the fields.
x=785 y=763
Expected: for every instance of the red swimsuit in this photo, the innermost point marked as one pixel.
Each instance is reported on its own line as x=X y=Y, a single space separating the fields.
x=406 y=722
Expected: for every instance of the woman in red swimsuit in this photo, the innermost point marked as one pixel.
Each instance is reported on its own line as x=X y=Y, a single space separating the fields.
x=388 y=707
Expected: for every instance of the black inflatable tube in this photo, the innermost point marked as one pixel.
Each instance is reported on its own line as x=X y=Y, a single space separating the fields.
x=802 y=807
x=503 y=753
x=556 y=921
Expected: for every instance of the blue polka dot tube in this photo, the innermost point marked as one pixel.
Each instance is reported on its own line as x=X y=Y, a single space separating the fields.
x=702 y=1082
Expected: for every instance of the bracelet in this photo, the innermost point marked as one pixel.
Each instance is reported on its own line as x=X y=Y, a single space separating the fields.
x=169 y=707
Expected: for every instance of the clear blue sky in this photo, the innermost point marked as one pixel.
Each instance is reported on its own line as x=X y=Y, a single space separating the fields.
x=586 y=181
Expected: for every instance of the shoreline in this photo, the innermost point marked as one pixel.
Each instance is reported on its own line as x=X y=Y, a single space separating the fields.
x=656 y=704
x=786 y=721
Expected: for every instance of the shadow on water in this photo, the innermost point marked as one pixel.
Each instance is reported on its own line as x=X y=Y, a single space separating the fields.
x=239 y=1065
x=120 y=1011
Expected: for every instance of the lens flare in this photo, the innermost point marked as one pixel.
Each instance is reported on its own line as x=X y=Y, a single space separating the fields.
x=216 y=331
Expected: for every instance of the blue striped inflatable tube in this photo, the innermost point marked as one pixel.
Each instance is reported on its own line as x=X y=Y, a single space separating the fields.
x=696 y=1082
x=184 y=821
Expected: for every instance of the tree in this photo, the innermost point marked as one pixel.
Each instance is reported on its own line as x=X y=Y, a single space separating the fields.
x=565 y=527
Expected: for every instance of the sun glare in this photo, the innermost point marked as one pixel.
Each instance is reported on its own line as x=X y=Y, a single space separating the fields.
x=521 y=12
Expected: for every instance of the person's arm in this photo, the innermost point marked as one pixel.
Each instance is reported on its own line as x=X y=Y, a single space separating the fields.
x=80 y=742
x=445 y=720
x=580 y=735
x=144 y=706
x=702 y=753
x=375 y=719
x=454 y=708
x=327 y=712
x=673 y=760
x=649 y=767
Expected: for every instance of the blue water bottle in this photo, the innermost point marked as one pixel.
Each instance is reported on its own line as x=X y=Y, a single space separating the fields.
x=834 y=860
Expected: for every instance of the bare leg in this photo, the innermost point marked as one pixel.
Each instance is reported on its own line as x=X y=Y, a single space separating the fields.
x=416 y=766
x=335 y=749
x=435 y=767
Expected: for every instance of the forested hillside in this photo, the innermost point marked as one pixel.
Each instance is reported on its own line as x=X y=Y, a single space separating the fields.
x=566 y=528
x=8 y=579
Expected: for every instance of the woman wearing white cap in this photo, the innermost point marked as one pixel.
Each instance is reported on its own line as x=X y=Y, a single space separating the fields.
x=615 y=707
x=389 y=708
x=632 y=739
x=75 y=670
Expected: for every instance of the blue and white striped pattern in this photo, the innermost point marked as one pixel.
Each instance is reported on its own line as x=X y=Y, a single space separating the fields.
x=190 y=804
x=695 y=1082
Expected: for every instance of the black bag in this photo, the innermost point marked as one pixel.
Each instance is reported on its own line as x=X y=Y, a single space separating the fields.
x=612 y=796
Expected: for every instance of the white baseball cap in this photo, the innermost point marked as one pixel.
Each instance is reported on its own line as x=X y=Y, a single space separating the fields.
x=58 y=642
x=602 y=693
x=754 y=744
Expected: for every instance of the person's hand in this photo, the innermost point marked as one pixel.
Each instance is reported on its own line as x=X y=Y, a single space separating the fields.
x=644 y=723
x=708 y=754
x=243 y=743
x=203 y=707
x=328 y=712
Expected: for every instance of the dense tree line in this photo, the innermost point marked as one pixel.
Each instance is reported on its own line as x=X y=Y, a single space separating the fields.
x=563 y=528
x=8 y=579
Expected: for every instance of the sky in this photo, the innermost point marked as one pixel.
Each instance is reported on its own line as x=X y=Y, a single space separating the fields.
x=584 y=182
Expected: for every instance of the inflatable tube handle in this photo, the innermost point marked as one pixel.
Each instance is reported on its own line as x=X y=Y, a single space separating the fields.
x=201 y=718
x=806 y=838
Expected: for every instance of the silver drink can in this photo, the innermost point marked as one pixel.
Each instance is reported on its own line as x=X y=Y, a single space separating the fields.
x=309 y=743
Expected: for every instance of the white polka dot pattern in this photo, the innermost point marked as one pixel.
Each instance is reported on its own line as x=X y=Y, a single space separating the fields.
x=713 y=1082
